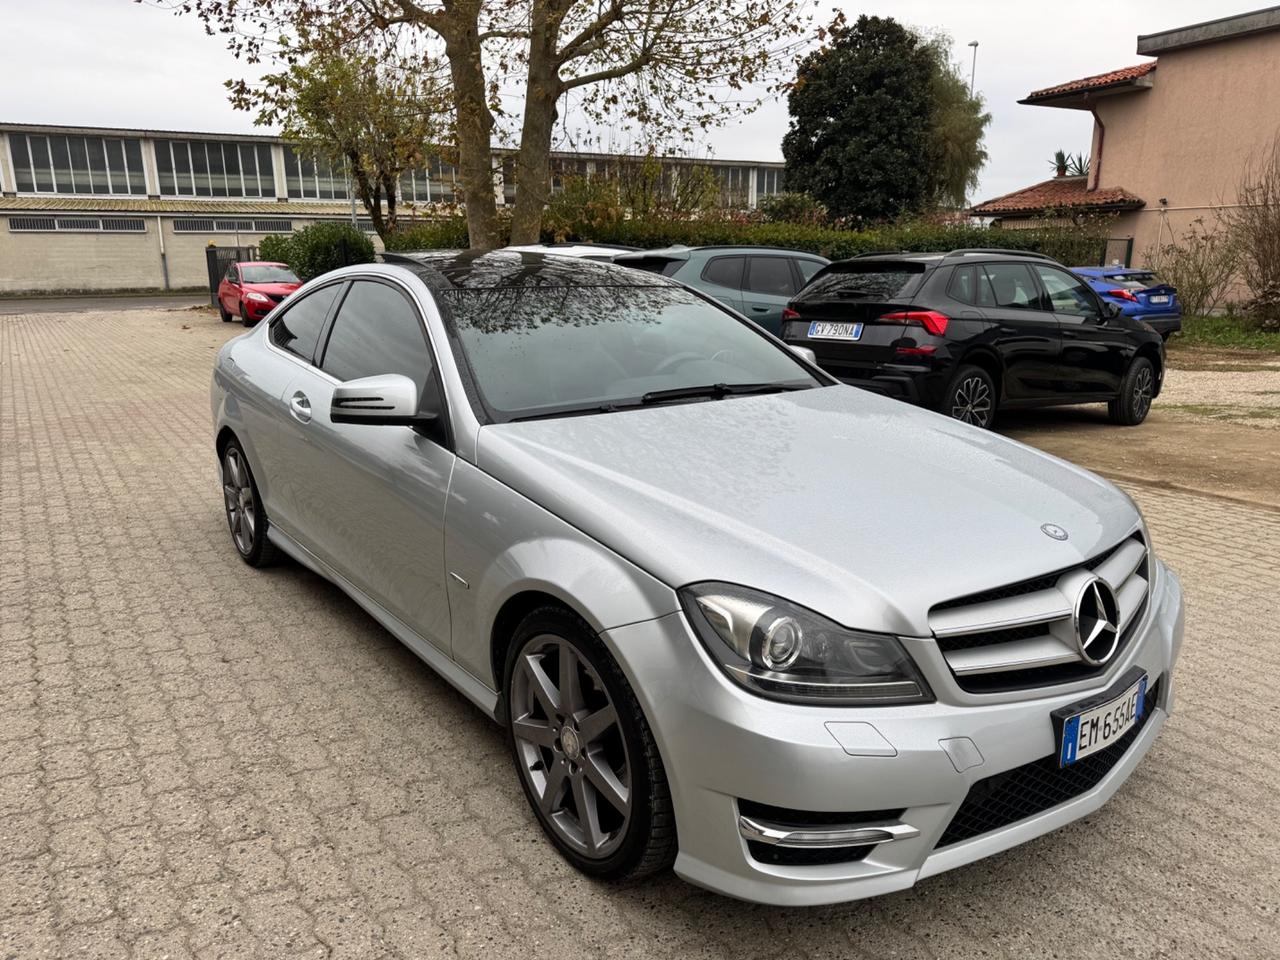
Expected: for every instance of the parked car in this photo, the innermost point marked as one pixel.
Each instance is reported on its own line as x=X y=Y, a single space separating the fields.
x=250 y=290
x=1139 y=294
x=698 y=581
x=973 y=331
x=603 y=252
x=756 y=281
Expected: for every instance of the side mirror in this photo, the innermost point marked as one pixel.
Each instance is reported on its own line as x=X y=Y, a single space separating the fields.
x=1111 y=310
x=390 y=399
x=804 y=353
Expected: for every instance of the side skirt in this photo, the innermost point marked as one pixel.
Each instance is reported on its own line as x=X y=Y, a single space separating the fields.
x=474 y=690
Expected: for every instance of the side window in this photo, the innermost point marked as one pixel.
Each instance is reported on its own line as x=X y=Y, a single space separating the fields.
x=1067 y=294
x=377 y=331
x=724 y=272
x=770 y=275
x=961 y=285
x=1012 y=286
x=298 y=328
x=807 y=269
x=233 y=275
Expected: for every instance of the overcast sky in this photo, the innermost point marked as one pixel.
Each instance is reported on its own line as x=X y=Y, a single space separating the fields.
x=118 y=63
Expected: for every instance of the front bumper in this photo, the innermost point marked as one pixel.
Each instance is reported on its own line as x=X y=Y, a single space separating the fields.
x=721 y=744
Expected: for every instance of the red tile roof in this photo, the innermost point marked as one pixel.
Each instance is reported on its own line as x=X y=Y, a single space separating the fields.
x=1111 y=79
x=1058 y=193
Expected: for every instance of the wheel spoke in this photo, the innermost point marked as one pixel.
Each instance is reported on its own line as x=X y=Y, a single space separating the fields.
x=247 y=521
x=588 y=816
x=233 y=467
x=541 y=684
x=232 y=495
x=570 y=681
x=550 y=799
x=606 y=782
x=534 y=732
x=594 y=724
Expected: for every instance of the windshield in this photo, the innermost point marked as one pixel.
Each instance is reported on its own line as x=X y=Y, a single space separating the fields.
x=866 y=280
x=550 y=351
x=267 y=273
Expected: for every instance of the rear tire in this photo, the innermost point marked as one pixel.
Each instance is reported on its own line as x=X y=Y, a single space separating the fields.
x=245 y=517
x=971 y=398
x=1137 y=388
x=580 y=742
x=222 y=312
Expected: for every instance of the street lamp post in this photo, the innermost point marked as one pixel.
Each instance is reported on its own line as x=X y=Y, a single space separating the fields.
x=974 y=69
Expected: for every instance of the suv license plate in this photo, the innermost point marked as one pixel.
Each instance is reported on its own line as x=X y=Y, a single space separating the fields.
x=1087 y=731
x=818 y=330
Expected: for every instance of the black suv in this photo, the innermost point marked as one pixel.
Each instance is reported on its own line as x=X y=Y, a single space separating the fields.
x=970 y=331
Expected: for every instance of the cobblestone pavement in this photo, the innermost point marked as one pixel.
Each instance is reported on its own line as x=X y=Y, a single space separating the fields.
x=197 y=759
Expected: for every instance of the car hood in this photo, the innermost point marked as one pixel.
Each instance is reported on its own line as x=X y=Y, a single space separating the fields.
x=861 y=508
x=275 y=289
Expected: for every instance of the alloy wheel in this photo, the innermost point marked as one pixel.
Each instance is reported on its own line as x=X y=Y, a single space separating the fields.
x=971 y=401
x=237 y=492
x=1143 y=388
x=570 y=747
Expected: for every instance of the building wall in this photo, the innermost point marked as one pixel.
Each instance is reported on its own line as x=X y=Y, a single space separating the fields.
x=1189 y=138
x=45 y=262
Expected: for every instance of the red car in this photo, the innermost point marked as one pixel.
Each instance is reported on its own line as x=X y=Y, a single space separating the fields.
x=250 y=290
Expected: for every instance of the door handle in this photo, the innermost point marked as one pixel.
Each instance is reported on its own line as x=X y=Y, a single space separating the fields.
x=300 y=407
x=759 y=309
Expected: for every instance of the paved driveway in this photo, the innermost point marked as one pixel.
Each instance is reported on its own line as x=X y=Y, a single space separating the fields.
x=201 y=759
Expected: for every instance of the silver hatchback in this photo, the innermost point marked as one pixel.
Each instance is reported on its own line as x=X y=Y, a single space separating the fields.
x=802 y=642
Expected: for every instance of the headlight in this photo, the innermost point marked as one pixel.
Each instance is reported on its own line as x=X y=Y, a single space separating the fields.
x=259 y=297
x=783 y=651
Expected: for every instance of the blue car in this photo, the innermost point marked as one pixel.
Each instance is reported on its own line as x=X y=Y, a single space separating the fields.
x=1138 y=293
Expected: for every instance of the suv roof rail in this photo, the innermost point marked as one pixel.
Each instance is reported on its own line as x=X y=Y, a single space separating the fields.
x=1016 y=253
x=875 y=253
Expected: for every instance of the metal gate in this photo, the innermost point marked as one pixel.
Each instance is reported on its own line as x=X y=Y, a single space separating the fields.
x=218 y=259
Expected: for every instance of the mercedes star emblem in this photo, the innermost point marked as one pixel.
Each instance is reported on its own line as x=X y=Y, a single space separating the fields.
x=1053 y=530
x=1097 y=620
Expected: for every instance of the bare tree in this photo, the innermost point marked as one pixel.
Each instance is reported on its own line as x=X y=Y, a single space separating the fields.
x=1254 y=226
x=670 y=66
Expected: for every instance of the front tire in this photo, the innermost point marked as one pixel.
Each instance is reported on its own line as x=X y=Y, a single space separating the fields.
x=1137 y=389
x=245 y=517
x=244 y=316
x=971 y=397
x=584 y=753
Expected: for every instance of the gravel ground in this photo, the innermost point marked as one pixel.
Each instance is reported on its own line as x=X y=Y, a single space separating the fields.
x=202 y=760
x=1233 y=386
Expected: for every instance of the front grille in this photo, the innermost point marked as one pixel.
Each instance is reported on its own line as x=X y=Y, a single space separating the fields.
x=275 y=297
x=799 y=856
x=1022 y=635
x=1040 y=785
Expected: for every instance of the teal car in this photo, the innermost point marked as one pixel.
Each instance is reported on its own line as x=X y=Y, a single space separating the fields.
x=755 y=281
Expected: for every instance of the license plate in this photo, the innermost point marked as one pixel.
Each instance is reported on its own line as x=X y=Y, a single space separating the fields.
x=819 y=330
x=1159 y=298
x=1083 y=732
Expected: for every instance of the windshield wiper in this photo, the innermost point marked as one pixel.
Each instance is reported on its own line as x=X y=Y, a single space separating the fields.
x=717 y=390
x=574 y=411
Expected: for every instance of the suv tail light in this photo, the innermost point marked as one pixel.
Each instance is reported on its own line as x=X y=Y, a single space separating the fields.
x=789 y=314
x=933 y=321
x=1122 y=294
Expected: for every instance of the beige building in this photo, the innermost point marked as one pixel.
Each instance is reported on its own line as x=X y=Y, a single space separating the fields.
x=90 y=208
x=1171 y=136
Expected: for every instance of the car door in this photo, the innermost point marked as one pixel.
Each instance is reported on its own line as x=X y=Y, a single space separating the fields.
x=1024 y=333
x=1095 y=348
x=768 y=286
x=370 y=499
x=229 y=290
x=721 y=277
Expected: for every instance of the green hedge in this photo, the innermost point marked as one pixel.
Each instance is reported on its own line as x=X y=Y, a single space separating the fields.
x=1073 y=246
x=318 y=248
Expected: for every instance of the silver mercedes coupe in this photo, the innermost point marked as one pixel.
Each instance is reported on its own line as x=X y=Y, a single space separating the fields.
x=801 y=642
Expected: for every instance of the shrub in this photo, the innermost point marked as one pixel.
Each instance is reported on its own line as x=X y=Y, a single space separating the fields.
x=1202 y=265
x=319 y=248
x=447 y=233
x=1254 y=225
x=792 y=208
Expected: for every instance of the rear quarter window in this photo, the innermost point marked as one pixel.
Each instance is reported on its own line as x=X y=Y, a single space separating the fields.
x=865 y=280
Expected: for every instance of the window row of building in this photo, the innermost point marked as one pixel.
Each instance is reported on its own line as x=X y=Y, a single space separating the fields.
x=65 y=163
